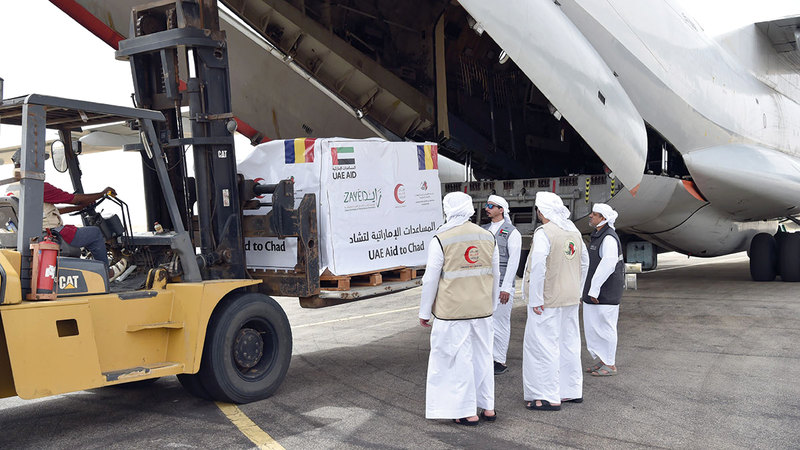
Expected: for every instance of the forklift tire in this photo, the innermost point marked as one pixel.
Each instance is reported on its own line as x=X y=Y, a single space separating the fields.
x=194 y=385
x=247 y=350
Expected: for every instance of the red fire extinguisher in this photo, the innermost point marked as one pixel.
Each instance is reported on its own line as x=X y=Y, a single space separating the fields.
x=45 y=267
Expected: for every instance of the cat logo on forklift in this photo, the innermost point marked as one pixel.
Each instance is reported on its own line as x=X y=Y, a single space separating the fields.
x=71 y=281
x=67 y=282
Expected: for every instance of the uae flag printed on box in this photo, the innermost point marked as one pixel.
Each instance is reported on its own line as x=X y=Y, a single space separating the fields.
x=343 y=156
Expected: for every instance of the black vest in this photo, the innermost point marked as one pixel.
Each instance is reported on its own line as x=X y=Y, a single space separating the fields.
x=611 y=290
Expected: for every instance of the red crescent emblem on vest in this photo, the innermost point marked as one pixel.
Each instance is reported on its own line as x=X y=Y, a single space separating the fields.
x=467 y=256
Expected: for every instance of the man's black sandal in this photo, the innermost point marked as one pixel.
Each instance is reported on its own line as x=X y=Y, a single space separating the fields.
x=488 y=418
x=546 y=406
x=466 y=422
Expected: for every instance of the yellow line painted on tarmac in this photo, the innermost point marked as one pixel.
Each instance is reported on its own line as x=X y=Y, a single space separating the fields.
x=248 y=427
x=355 y=317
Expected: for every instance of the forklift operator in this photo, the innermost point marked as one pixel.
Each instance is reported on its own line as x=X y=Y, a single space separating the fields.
x=88 y=237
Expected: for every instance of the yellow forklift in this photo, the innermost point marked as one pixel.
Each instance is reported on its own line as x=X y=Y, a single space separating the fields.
x=190 y=308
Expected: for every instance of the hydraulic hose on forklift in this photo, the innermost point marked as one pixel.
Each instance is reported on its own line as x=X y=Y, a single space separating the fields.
x=45 y=267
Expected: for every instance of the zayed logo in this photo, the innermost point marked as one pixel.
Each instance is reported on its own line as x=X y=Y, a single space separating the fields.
x=570 y=249
x=472 y=255
x=362 y=199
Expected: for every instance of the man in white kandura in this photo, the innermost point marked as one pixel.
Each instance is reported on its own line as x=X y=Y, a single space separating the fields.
x=554 y=274
x=601 y=296
x=509 y=245
x=460 y=281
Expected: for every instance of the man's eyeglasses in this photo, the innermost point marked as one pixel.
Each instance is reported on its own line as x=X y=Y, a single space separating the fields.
x=490 y=206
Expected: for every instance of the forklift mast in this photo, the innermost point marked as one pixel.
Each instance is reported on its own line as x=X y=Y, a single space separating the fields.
x=178 y=58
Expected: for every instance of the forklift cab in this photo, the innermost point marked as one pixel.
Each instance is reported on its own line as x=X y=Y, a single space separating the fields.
x=21 y=218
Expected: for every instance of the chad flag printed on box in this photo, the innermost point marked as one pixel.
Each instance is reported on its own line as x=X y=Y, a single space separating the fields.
x=427 y=157
x=299 y=150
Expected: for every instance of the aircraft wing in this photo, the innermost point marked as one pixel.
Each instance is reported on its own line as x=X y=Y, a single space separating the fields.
x=7 y=152
x=95 y=139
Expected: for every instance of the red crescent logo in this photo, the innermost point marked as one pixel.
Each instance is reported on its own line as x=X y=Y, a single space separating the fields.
x=259 y=180
x=466 y=254
x=398 y=193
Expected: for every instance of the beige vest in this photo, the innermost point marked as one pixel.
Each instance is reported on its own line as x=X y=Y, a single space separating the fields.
x=562 y=281
x=465 y=286
x=51 y=218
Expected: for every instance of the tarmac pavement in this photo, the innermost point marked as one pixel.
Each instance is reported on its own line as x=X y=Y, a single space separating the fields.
x=706 y=357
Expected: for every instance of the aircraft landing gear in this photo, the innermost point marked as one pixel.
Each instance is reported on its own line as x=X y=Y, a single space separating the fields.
x=763 y=257
x=777 y=255
x=789 y=257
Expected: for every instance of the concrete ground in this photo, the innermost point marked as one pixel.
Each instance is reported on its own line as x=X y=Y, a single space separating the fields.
x=706 y=358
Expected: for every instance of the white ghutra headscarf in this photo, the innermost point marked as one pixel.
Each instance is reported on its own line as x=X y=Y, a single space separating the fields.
x=457 y=210
x=501 y=202
x=608 y=213
x=552 y=208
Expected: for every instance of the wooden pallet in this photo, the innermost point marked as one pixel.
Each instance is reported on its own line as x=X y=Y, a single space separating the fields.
x=402 y=274
x=331 y=282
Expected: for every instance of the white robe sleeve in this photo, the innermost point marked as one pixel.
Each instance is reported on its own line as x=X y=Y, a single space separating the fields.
x=495 y=272
x=430 y=281
x=584 y=265
x=609 y=255
x=539 y=252
x=514 y=249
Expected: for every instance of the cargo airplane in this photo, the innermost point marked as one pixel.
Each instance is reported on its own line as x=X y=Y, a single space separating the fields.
x=703 y=132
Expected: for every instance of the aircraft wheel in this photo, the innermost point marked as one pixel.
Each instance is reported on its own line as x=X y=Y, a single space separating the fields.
x=247 y=350
x=779 y=237
x=763 y=257
x=789 y=257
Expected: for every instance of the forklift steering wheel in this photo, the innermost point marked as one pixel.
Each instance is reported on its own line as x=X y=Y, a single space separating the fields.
x=91 y=206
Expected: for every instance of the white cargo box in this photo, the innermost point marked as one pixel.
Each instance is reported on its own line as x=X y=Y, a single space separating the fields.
x=379 y=202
